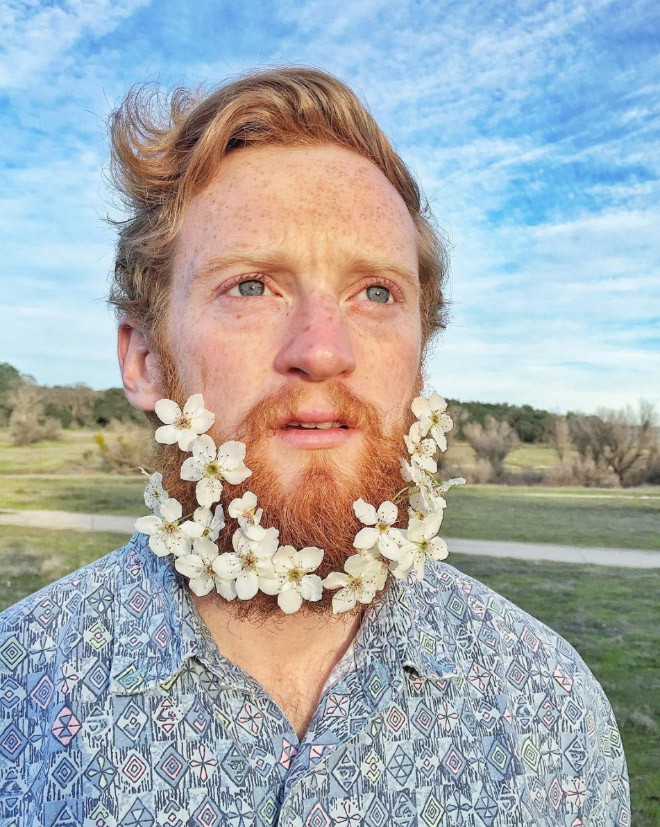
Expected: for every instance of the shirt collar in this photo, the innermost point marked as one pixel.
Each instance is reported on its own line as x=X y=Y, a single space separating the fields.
x=157 y=627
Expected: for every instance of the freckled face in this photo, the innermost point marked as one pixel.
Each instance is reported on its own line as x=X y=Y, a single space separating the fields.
x=297 y=268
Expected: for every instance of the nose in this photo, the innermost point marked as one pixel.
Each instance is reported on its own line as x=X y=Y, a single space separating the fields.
x=317 y=344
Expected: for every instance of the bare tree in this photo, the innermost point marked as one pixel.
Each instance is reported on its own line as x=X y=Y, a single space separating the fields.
x=629 y=439
x=560 y=437
x=26 y=410
x=492 y=443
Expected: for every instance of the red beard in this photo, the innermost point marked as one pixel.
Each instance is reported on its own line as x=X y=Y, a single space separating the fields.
x=318 y=510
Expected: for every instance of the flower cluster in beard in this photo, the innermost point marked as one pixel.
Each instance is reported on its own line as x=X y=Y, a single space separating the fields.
x=258 y=562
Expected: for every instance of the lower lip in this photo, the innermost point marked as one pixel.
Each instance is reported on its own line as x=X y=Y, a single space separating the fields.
x=313 y=438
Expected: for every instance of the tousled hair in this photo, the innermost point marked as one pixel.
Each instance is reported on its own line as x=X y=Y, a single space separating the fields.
x=167 y=148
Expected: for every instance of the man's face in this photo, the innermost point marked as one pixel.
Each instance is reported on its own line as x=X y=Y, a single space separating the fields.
x=295 y=297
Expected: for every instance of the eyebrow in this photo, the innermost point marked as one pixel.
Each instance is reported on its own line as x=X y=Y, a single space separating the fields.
x=275 y=260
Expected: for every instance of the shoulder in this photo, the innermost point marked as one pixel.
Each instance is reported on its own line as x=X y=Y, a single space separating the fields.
x=493 y=637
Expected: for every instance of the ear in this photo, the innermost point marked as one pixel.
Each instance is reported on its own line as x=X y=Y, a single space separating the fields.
x=139 y=367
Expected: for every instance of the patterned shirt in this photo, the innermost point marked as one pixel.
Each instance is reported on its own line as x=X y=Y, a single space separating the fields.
x=451 y=707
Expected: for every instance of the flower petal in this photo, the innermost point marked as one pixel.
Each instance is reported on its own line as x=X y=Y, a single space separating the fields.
x=366 y=538
x=227 y=565
x=185 y=438
x=343 y=601
x=194 y=405
x=208 y=491
x=311 y=587
x=191 y=469
x=289 y=601
x=167 y=411
x=231 y=454
x=201 y=585
x=387 y=512
x=421 y=407
x=310 y=557
x=365 y=513
x=190 y=565
x=171 y=510
x=166 y=435
x=203 y=421
x=203 y=448
x=247 y=585
x=237 y=475
x=335 y=580
x=148 y=525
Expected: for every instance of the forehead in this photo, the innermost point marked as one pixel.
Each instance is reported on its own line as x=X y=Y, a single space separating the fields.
x=313 y=198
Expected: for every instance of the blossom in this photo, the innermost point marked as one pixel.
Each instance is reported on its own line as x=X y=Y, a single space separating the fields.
x=198 y=566
x=182 y=426
x=432 y=417
x=425 y=501
x=383 y=535
x=210 y=466
x=154 y=493
x=358 y=582
x=165 y=533
x=293 y=581
x=422 y=542
x=250 y=563
x=421 y=450
x=244 y=509
x=205 y=523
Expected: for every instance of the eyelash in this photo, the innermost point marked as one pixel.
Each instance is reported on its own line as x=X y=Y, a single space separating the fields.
x=395 y=291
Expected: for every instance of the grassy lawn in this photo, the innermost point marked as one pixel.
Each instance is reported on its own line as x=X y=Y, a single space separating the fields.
x=32 y=558
x=88 y=493
x=616 y=519
x=52 y=456
x=609 y=615
x=502 y=513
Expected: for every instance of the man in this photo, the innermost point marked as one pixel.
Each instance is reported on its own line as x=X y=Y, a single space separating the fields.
x=277 y=260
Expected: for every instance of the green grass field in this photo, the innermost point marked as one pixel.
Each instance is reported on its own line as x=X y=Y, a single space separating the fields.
x=610 y=616
x=582 y=517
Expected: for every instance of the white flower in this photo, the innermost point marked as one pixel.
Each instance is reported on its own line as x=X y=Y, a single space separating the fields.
x=205 y=523
x=424 y=502
x=293 y=581
x=359 y=583
x=422 y=543
x=154 y=493
x=210 y=467
x=198 y=566
x=182 y=426
x=421 y=450
x=383 y=535
x=245 y=510
x=250 y=563
x=165 y=533
x=432 y=417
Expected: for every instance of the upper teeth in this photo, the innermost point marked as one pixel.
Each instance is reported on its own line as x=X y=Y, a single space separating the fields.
x=321 y=425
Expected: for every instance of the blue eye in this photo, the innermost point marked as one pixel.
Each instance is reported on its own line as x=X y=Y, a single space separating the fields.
x=378 y=293
x=251 y=287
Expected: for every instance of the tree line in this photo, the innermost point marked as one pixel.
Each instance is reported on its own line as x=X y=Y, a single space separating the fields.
x=34 y=412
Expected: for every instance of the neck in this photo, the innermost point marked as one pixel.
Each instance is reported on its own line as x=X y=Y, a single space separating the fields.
x=282 y=651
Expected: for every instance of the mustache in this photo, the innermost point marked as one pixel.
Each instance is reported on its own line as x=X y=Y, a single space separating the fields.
x=284 y=405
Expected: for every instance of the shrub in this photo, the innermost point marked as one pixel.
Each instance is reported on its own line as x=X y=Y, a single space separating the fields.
x=123 y=447
x=492 y=442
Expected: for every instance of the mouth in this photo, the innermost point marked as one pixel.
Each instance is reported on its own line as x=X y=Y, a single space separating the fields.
x=319 y=426
x=314 y=430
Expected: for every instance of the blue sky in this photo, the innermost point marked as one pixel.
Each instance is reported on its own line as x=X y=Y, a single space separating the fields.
x=533 y=128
